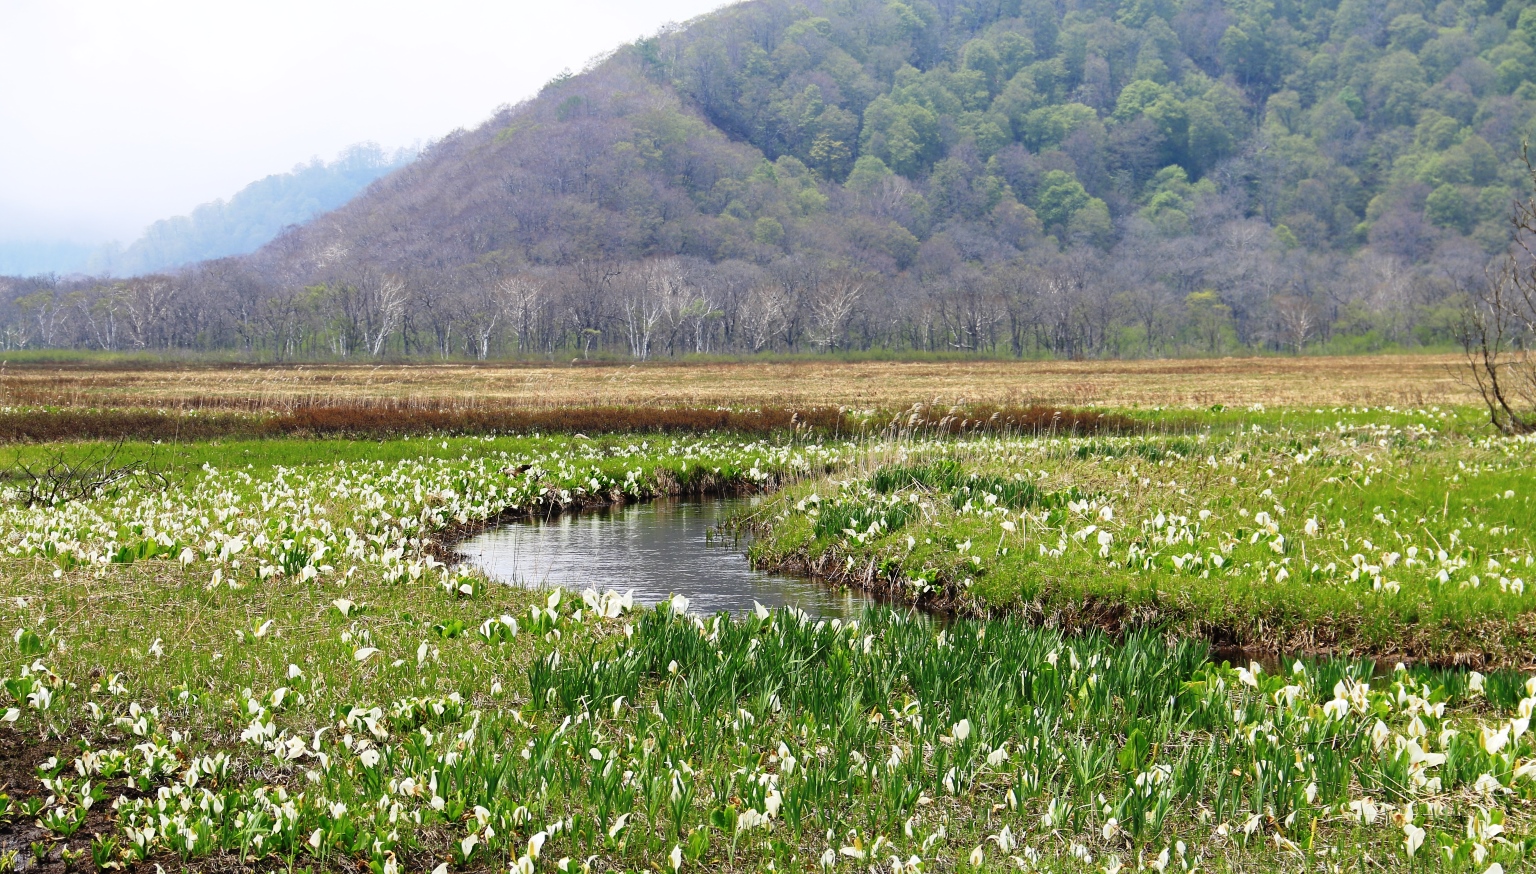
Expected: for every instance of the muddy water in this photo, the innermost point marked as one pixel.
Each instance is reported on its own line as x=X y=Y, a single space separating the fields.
x=658 y=549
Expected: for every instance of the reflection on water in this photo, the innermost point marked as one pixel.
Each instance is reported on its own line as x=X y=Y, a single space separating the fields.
x=658 y=549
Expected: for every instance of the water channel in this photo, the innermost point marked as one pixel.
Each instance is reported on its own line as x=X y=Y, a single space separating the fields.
x=670 y=546
x=658 y=548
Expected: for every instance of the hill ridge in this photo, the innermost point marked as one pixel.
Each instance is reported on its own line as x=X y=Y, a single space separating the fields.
x=1136 y=177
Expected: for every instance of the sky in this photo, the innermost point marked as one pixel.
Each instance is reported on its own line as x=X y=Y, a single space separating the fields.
x=115 y=114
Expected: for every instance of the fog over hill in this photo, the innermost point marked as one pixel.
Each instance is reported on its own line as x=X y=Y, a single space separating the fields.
x=1074 y=178
x=244 y=223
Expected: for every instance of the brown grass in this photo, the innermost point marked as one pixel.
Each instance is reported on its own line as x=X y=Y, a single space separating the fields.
x=386 y=420
x=1366 y=380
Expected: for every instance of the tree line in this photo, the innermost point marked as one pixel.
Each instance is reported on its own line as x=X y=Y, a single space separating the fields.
x=1239 y=293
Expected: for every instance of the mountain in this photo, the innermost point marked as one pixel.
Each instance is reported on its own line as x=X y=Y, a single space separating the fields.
x=257 y=212
x=1057 y=177
x=244 y=223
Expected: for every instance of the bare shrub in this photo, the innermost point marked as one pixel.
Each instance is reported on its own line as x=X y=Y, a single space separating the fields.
x=63 y=475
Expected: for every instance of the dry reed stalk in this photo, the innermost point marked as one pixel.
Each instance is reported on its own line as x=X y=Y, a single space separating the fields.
x=1293 y=382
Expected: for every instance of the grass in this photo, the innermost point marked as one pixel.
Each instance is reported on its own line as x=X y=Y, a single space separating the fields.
x=1378 y=380
x=1396 y=536
x=262 y=661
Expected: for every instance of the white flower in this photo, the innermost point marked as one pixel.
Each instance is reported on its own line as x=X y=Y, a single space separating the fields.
x=1379 y=734
x=1004 y=840
x=962 y=730
x=678 y=605
x=1493 y=741
x=1413 y=838
x=1249 y=676
x=363 y=654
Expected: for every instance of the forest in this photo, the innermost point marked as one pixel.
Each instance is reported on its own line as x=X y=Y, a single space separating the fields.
x=1080 y=178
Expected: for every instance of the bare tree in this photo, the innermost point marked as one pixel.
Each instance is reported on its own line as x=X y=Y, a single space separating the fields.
x=520 y=297
x=1498 y=330
x=1499 y=326
x=760 y=319
x=100 y=311
x=383 y=299
x=655 y=293
x=1296 y=319
x=587 y=297
x=42 y=310
x=146 y=303
x=831 y=307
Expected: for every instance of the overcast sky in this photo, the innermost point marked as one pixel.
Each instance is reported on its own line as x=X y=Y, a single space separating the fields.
x=114 y=114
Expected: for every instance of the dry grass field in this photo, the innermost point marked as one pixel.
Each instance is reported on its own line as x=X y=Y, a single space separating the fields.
x=1415 y=380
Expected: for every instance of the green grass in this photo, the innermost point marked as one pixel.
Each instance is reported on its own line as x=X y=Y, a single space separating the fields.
x=264 y=663
x=1283 y=535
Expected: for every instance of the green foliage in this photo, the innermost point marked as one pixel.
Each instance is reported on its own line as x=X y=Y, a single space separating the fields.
x=1210 y=319
x=1061 y=196
x=1049 y=125
x=1270 y=531
x=1337 y=83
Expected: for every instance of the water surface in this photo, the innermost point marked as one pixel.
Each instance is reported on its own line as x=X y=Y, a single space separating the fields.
x=656 y=548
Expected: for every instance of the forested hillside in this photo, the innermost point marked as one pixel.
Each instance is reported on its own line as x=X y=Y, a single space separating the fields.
x=1141 y=177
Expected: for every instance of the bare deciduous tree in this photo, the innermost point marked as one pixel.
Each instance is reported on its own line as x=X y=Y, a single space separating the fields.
x=145 y=304
x=761 y=317
x=519 y=297
x=1499 y=326
x=831 y=307
x=383 y=299
x=1296 y=318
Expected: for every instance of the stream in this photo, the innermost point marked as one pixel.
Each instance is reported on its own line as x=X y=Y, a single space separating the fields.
x=657 y=548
